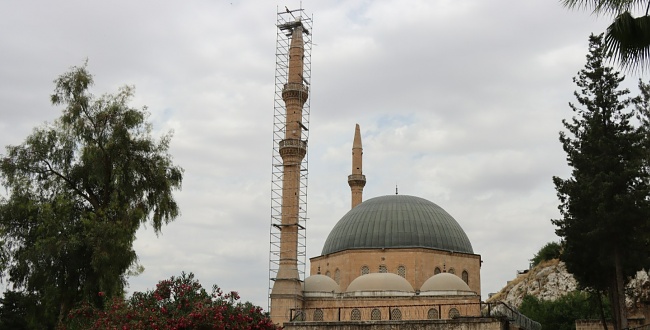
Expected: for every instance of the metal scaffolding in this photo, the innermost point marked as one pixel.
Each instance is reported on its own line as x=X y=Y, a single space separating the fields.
x=285 y=17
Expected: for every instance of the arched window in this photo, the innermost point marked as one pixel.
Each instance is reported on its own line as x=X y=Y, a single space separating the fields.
x=355 y=315
x=453 y=313
x=318 y=315
x=328 y=274
x=365 y=270
x=383 y=269
x=396 y=314
x=465 y=277
x=337 y=276
x=437 y=271
x=433 y=314
x=401 y=271
x=452 y=271
x=375 y=314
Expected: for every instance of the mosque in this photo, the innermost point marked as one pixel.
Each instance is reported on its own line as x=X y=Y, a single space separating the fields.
x=391 y=262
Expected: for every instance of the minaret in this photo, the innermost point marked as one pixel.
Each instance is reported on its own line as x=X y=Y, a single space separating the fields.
x=286 y=294
x=357 y=180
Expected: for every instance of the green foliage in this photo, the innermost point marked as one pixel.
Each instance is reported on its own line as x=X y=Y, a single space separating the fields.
x=561 y=314
x=604 y=204
x=628 y=37
x=549 y=251
x=79 y=189
x=177 y=303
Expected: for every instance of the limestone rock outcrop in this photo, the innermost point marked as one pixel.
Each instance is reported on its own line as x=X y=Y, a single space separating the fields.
x=548 y=280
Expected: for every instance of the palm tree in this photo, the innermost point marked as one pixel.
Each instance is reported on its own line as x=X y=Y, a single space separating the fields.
x=628 y=37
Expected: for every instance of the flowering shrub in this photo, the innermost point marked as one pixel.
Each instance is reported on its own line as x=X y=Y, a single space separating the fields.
x=176 y=304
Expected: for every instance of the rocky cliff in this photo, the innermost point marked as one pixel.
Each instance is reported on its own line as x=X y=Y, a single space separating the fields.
x=550 y=280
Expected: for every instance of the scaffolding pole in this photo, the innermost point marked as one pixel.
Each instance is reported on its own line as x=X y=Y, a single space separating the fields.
x=283 y=41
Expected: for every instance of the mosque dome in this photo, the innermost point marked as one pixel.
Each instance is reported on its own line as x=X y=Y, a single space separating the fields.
x=397 y=221
x=380 y=282
x=320 y=283
x=445 y=282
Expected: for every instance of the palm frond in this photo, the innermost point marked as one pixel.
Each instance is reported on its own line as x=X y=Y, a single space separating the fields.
x=598 y=7
x=628 y=40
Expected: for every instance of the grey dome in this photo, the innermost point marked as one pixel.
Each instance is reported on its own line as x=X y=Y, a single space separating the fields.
x=397 y=221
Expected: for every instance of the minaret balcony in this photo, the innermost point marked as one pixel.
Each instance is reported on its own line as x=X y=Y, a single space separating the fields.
x=295 y=90
x=357 y=179
x=293 y=147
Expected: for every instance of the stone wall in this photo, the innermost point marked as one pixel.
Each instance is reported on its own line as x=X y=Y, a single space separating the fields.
x=598 y=325
x=455 y=324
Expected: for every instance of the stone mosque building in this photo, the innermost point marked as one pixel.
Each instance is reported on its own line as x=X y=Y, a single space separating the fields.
x=393 y=262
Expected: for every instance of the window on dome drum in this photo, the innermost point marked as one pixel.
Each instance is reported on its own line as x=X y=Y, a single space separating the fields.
x=396 y=314
x=365 y=270
x=437 y=271
x=465 y=277
x=328 y=274
x=318 y=315
x=375 y=314
x=452 y=271
x=433 y=314
x=337 y=276
x=355 y=315
x=453 y=313
x=401 y=271
x=383 y=269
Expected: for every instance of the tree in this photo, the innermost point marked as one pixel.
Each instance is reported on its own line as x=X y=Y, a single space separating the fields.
x=628 y=37
x=78 y=190
x=177 y=303
x=604 y=204
x=549 y=251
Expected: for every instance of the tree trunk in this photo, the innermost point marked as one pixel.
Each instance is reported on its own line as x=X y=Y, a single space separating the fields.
x=620 y=290
x=599 y=299
x=613 y=297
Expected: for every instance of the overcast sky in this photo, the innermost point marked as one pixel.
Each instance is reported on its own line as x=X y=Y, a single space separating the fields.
x=460 y=102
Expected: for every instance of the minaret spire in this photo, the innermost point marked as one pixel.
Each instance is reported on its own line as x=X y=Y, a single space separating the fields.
x=357 y=180
x=286 y=294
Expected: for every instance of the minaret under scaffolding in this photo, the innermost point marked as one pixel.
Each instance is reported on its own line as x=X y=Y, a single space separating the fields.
x=286 y=294
x=357 y=180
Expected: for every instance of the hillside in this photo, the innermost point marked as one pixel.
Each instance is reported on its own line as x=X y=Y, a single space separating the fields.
x=548 y=280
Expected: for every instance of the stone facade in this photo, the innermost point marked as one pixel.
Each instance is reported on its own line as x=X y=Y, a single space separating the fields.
x=456 y=324
x=418 y=264
x=342 y=307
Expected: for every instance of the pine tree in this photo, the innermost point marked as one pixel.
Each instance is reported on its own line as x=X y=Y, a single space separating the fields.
x=604 y=204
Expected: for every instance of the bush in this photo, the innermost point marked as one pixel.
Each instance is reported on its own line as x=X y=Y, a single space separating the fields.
x=561 y=314
x=177 y=303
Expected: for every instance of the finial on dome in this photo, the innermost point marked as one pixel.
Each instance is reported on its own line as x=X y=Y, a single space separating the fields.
x=318 y=270
x=396 y=190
